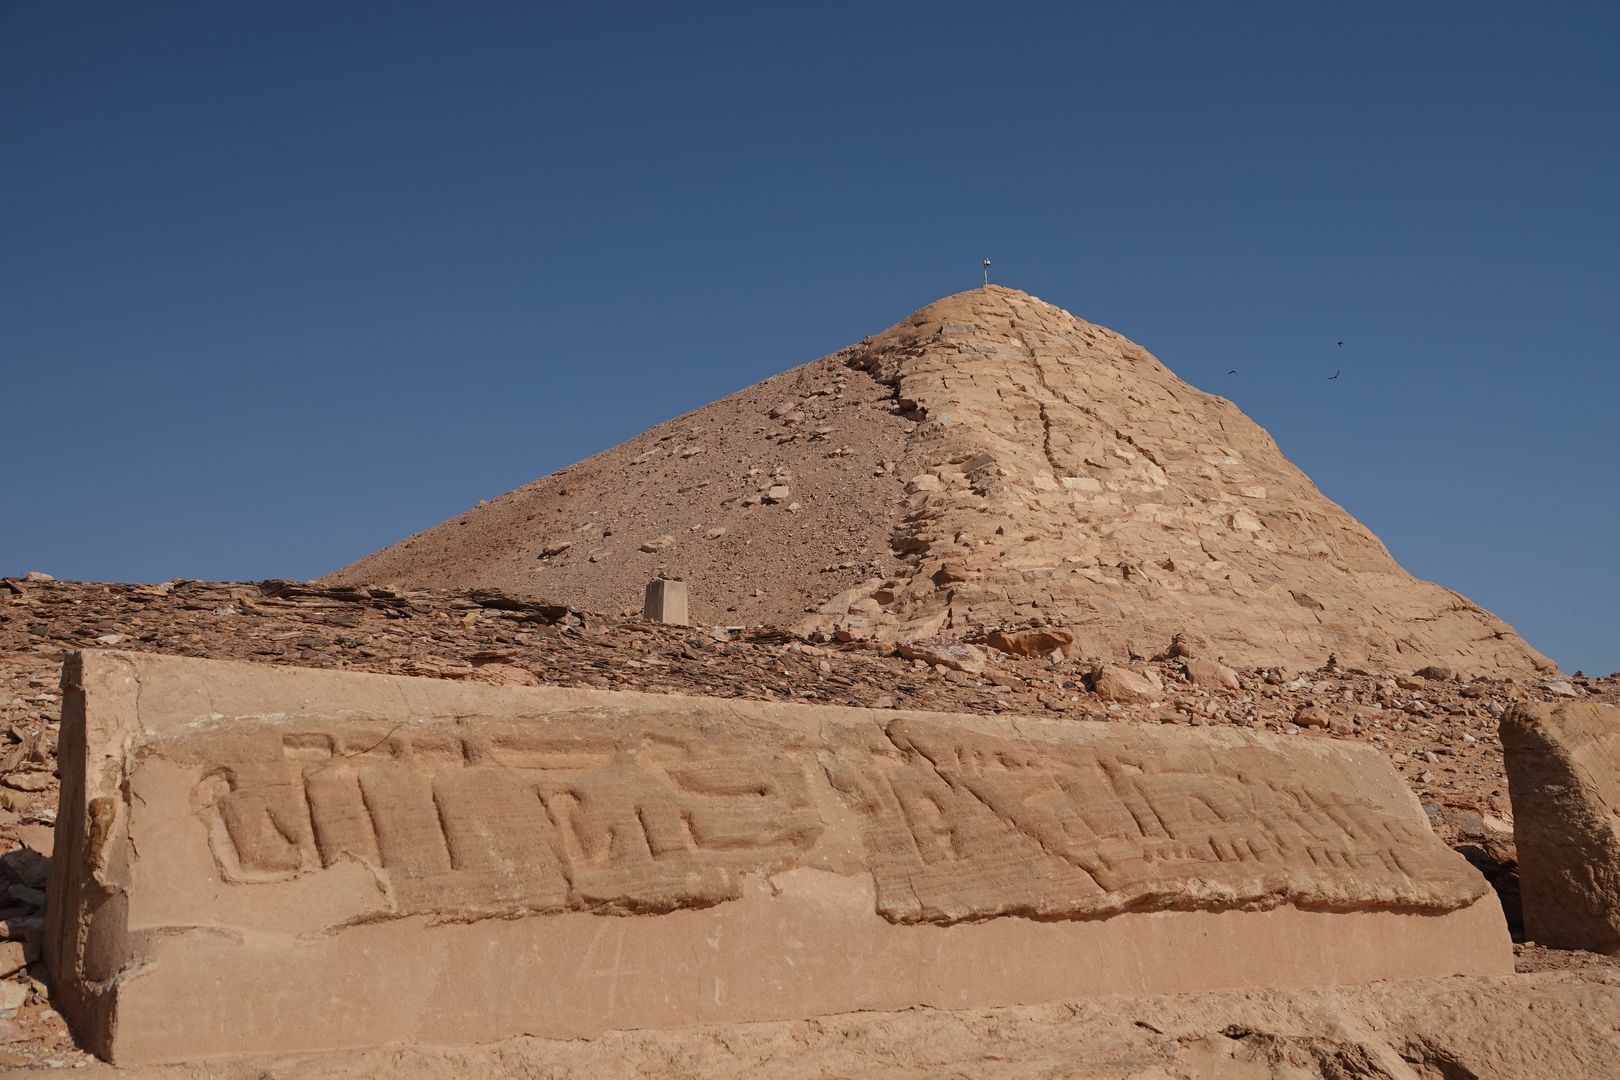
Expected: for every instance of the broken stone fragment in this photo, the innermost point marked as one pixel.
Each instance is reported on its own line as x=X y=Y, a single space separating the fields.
x=1035 y=641
x=1181 y=646
x=658 y=543
x=945 y=652
x=1309 y=716
x=1210 y=674
x=12 y=996
x=1563 y=771
x=1123 y=685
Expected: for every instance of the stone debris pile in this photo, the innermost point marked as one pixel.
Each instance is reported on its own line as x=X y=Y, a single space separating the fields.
x=989 y=467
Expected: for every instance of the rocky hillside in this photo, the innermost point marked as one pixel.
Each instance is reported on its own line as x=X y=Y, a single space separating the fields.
x=991 y=463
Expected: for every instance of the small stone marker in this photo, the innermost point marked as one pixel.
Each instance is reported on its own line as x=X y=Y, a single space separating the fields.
x=665 y=602
x=255 y=859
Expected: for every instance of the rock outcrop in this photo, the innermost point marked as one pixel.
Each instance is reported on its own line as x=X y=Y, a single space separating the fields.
x=1563 y=770
x=991 y=463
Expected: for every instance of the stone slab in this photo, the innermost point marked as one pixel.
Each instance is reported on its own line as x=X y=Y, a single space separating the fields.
x=264 y=859
x=1563 y=769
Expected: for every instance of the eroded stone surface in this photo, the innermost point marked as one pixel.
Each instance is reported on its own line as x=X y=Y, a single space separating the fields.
x=232 y=834
x=1563 y=769
x=962 y=824
x=489 y=816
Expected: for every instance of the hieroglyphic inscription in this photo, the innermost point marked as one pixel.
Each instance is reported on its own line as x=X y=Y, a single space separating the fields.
x=957 y=823
x=481 y=815
x=963 y=825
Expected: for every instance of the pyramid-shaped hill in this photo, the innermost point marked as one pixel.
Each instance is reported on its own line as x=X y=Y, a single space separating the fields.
x=991 y=462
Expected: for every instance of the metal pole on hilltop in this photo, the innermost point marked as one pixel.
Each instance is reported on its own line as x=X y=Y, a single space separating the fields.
x=987 y=272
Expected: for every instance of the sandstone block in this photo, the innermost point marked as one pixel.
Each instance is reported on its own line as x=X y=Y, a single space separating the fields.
x=944 y=652
x=13 y=957
x=665 y=602
x=253 y=859
x=1036 y=641
x=1563 y=768
x=1124 y=685
x=1210 y=674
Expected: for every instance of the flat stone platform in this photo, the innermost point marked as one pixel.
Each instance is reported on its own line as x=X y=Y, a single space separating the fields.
x=255 y=859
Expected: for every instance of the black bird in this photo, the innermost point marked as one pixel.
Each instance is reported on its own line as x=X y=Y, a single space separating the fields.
x=1341 y=344
x=1232 y=372
x=1333 y=376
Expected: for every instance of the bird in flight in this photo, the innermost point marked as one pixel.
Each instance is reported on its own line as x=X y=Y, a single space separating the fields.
x=1232 y=372
x=1341 y=344
x=1333 y=376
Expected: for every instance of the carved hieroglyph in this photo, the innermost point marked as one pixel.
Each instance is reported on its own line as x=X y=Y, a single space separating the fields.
x=230 y=832
x=491 y=816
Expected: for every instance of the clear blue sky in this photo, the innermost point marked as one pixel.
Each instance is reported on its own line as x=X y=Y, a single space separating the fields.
x=281 y=283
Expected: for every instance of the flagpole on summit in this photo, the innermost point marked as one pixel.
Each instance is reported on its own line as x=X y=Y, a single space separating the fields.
x=987 y=272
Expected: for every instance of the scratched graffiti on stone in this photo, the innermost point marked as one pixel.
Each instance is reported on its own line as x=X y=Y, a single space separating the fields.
x=484 y=816
x=962 y=825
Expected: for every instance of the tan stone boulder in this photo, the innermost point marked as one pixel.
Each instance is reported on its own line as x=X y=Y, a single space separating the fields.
x=1124 y=685
x=1563 y=768
x=1210 y=674
x=1035 y=641
x=945 y=652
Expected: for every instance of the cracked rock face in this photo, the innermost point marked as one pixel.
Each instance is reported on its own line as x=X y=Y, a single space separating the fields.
x=990 y=463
